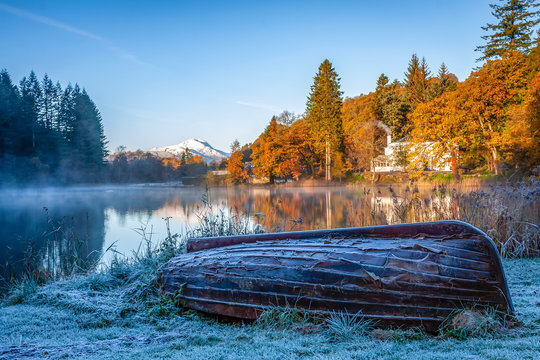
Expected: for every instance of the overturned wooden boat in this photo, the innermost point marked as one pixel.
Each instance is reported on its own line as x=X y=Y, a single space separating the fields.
x=407 y=274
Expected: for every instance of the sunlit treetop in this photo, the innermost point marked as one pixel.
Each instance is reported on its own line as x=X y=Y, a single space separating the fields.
x=516 y=22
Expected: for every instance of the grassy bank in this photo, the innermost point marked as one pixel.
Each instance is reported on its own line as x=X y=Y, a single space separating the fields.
x=106 y=316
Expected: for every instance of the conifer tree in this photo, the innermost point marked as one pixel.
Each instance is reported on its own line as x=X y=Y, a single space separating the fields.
x=534 y=56
x=425 y=75
x=516 y=22
x=87 y=140
x=235 y=146
x=391 y=106
x=46 y=131
x=58 y=92
x=416 y=81
x=9 y=116
x=382 y=81
x=442 y=83
x=186 y=157
x=49 y=102
x=412 y=76
x=324 y=112
x=66 y=112
x=49 y=140
x=31 y=99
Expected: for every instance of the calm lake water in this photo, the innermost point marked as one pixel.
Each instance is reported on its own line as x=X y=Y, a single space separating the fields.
x=35 y=223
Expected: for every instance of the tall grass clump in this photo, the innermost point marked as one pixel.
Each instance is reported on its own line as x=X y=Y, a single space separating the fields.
x=509 y=214
x=222 y=222
x=345 y=326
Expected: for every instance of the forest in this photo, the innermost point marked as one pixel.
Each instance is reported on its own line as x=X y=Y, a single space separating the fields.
x=488 y=124
x=49 y=132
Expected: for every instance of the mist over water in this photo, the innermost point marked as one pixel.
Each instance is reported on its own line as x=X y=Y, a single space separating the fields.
x=96 y=218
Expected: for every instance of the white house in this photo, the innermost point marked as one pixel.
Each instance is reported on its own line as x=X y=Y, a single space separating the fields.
x=395 y=152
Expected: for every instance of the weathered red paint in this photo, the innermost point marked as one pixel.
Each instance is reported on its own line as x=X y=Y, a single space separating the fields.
x=409 y=274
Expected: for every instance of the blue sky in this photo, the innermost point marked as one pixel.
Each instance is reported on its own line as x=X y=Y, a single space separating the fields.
x=164 y=71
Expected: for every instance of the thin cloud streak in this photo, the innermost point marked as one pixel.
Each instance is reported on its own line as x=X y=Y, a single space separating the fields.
x=56 y=24
x=260 y=106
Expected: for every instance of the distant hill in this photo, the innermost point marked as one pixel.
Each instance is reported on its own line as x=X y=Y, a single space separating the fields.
x=195 y=146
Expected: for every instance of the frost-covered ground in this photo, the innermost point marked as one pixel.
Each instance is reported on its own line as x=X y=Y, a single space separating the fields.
x=87 y=318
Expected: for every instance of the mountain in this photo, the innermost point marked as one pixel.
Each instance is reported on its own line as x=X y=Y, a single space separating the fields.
x=195 y=146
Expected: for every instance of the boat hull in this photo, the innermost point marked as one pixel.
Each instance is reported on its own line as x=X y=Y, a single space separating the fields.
x=411 y=274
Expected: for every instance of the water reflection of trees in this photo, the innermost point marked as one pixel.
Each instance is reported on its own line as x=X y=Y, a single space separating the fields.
x=43 y=243
x=71 y=233
x=343 y=207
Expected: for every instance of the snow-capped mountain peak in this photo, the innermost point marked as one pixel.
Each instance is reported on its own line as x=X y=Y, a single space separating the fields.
x=195 y=146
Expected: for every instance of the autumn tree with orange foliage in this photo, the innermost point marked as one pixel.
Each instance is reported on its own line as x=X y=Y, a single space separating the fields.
x=236 y=168
x=301 y=148
x=364 y=137
x=486 y=97
x=357 y=111
x=485 y=116
x=277 y=153
x=184 y=159
x=521 y=145
x=366 y=143
x=439 y=128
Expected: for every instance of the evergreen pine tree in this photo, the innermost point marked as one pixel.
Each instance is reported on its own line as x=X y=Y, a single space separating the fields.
x=31 y=98
x=10 y=118
x=516 y=22
x=87 y=137
x=324 y=112
x=57 y=100
x=443 y=72
x=391 y=107
x=425 y=75
x=50 y=140
x=49 y=103
x=443 y=83
x=534 y=57
x=416 y=81
x=66 y=112
x=382 y=81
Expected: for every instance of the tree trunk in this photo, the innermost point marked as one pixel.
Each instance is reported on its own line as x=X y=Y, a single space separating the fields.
x=454 y=164
x=495 y=159
x=328 y=175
